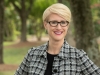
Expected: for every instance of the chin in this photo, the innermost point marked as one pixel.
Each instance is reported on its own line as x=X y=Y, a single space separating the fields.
x=58 y=39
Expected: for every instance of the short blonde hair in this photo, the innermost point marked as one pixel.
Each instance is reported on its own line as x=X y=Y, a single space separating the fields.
x=59 y=9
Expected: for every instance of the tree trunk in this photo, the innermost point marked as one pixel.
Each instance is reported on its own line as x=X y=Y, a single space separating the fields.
x=84 y=30
x=23 y=11
x=23 y=17
x=1 y=29
x=23 y=27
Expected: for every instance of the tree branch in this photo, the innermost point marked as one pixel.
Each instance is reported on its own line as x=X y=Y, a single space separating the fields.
x=30 y=7
x=16 y=7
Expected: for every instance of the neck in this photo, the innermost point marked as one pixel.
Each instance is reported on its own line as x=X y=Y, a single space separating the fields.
x=55 y=46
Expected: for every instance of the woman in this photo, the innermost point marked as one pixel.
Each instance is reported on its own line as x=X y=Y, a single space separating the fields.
x=57 y=57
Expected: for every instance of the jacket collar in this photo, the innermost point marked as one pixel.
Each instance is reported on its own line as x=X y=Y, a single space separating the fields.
x=62 y=54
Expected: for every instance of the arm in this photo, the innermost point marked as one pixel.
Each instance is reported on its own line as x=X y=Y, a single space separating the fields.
x=87 y=66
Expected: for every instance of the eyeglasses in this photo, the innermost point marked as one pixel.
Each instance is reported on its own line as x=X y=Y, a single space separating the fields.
x=55 y=23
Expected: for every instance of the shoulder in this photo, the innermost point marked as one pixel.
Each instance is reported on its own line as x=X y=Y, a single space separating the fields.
x=72 y=51
x=81 y=55
x=37 y=50
x=79 y=52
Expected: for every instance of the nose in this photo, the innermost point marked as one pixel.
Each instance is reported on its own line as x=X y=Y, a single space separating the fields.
x=58 y=26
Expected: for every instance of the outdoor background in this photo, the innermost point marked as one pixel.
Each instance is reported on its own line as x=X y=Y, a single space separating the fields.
x=21 y=28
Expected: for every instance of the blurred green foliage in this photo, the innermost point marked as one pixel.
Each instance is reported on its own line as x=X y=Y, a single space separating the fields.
x=10 y=24
x=95 y=6
x=34 y=22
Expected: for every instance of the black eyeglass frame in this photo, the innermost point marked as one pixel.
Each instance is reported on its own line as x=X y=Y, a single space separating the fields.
x=58 y=23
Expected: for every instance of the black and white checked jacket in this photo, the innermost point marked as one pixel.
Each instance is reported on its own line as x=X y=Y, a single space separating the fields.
x=70 y=61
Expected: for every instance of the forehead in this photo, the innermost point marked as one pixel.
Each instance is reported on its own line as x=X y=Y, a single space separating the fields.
x=55 y=17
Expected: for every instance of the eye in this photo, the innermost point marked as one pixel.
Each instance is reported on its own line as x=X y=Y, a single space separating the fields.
x=63 y=22
x=53 y=22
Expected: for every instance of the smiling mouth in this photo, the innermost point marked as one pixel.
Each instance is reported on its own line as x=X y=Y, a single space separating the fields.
x=58 y=32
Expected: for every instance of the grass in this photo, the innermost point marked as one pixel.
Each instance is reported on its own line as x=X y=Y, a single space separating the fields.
x=8 y=43
x=7 y=73
x=13 y=56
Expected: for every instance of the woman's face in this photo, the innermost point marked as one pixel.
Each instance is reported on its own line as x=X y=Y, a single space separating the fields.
x=58 y=32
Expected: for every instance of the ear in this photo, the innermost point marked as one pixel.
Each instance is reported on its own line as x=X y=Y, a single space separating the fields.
x=68 y=27
x=45 y=24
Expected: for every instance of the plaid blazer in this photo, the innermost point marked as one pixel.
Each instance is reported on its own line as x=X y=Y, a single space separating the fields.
x=70 y=61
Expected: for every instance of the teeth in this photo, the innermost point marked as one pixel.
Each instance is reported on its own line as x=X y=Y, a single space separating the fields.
x=58 y=33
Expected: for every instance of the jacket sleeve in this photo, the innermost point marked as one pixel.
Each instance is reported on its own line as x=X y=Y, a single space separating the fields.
x=24 y=66
x=87 y=66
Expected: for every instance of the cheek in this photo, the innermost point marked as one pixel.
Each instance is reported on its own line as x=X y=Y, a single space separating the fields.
x=49 y=29
x=65 y=31
x=67 y=28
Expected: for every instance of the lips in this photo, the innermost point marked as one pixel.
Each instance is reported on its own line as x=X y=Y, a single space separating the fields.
x=58 y=32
